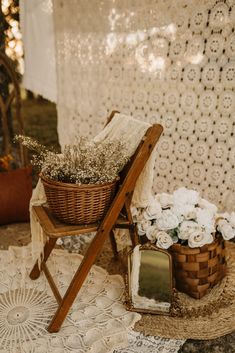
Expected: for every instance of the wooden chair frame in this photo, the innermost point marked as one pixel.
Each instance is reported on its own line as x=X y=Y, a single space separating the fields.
x=113 y=219
x=5 y=107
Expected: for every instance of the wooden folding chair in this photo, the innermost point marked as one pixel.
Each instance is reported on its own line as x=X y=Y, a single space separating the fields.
x=117 y=216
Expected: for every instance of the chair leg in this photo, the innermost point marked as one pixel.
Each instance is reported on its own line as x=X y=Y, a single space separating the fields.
x=49 y=246
x=113 y=244
x=77 y=281
x=134 y=235
x=133 y=228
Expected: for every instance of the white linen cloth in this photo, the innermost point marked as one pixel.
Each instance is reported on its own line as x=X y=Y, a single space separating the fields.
x=131 y=131
x=127 y=129
x=36 y=21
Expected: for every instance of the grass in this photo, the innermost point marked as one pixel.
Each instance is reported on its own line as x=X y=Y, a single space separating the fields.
x=40 y=121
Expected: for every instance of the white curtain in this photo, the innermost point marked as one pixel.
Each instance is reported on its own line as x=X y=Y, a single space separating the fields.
x=36 y=21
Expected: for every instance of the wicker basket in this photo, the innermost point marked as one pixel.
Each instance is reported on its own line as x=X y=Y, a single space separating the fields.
x=196 y=270
x=78 y=204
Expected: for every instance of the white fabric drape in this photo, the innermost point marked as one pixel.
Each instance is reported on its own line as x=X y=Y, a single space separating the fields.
x=131 y=131
x=37 y=28
x=167 y=61
x=38 y=239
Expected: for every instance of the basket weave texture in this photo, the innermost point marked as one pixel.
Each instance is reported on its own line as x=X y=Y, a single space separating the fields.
x=78 y=204
x=196 y=270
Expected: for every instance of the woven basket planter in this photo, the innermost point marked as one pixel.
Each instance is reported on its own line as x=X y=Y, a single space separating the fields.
x=78 y=204
x=196 y=270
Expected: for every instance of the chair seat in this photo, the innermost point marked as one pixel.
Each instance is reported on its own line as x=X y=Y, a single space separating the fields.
x=56 y=229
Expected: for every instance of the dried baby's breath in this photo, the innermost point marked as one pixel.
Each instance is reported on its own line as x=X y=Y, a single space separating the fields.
x=86 y=162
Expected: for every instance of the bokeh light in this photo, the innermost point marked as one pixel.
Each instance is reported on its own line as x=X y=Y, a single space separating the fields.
x=14 y=45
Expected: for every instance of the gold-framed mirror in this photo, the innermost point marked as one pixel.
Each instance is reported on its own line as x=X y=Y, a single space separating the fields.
x=149 y=280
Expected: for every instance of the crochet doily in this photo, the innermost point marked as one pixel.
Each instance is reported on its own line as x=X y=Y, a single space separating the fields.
x=171 y=62
x=97 y=323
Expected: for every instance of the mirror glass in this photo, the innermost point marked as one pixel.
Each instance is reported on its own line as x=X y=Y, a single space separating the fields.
x=150 y=280
x=154 y=276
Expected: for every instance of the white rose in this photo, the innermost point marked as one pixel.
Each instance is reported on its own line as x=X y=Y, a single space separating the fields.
x=232 y=219
x=187 y=228
x=224 y=215
x=185 y=196
x=198 y=239
x=143 y=226
x=203 y=203
x=206 y=219
x=151 y=233
x=165 y=200
x=225 y=229
x=164 y=240
x=190 y=215
x=153 y=211
x=137 y=214
x=134 y=211
x=175 y=239
x=184 y=211
x=167 y=221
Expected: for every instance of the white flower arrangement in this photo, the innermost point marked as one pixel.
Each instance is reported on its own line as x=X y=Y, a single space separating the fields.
x=183 y=217
x=86 y=162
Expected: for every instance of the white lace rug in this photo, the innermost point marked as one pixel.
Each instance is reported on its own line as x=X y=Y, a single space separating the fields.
x=97 y=322
x=138 y=343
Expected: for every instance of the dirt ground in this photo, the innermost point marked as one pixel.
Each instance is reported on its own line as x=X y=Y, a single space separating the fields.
x=40 y=122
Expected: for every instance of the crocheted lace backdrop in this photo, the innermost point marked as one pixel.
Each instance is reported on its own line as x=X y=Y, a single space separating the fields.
x=171 y=62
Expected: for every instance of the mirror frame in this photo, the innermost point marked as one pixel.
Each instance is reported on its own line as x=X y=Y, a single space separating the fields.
x=129 y=304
